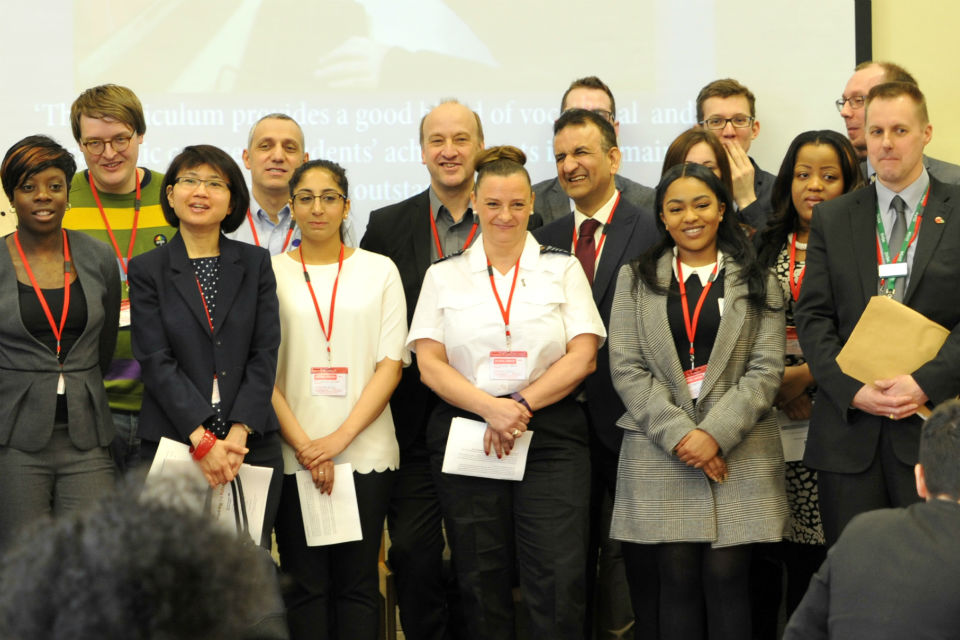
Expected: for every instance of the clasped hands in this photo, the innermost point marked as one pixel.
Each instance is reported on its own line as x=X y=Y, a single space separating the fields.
x=894 y=398
x=504 y=417
x=698 y=449
x=317 y=456
x=222 y=463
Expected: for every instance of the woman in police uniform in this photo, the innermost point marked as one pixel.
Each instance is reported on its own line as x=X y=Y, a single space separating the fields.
x=508 y=294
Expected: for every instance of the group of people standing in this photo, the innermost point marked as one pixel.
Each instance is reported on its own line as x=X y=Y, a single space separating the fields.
x=652 y=342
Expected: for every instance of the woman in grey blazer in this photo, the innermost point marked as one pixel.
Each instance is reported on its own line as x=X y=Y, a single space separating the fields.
x=60 y=292
x=697 y=360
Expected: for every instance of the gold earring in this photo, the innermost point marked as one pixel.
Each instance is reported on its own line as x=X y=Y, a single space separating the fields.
x=69 y=206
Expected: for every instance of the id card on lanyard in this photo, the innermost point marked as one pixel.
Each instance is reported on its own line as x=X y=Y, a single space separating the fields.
x=507 y=364
x=891 y=268
x=329 y=380
x=124 y=262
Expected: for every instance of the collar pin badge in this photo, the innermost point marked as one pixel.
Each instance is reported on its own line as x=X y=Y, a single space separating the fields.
x=938 y=220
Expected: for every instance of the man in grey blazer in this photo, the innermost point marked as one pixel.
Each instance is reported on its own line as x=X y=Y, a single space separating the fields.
x=589 y=93
x=915 y=591
x=866 y=76
x=863 y=438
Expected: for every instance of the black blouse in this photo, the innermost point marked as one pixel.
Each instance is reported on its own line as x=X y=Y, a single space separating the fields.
x=707 y=325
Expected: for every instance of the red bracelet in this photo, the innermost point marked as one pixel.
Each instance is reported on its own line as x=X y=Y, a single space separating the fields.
x=206 y=443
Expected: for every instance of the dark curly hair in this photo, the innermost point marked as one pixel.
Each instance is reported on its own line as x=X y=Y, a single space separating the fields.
x=131 y=568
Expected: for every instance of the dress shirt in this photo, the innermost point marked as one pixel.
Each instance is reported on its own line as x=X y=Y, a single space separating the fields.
x=702 y=272
x=602 y=216
x=453 y=235
x=912 y=194
x=552 y=304
x=271 y=236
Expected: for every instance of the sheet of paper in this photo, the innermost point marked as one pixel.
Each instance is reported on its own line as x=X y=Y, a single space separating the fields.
x=173 y=459
x=329 y=519
x=464 y=453
x=793 y=435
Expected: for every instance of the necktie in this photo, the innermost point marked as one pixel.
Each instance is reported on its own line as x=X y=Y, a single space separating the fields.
x=897 y=235
x=586 y=247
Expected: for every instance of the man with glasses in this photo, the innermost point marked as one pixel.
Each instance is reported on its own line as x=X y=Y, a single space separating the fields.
x=275 y=148
x=592 y=94
x=728 y=108
x=867 y=75
x=118 y=203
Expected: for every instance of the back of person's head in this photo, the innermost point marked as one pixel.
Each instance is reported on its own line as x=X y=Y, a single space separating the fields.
x=503 y=160
x=582 y=118
x=894 y=90
x=725 y=88
x=590 y=82
x=940 y=450
x=108 y=102
x=132 y=568
x=892 y=72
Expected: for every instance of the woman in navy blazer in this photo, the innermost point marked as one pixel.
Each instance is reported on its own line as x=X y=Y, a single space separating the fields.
x=206 y=327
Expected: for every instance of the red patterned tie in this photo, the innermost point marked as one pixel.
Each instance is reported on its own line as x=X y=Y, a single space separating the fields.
x=586 y=249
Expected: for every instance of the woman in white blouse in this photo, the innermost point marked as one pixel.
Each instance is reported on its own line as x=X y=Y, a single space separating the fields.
x=506 y=293
x=342 y=317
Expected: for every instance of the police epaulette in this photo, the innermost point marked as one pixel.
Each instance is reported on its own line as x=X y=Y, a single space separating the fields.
x=452 y=255
x=546 y=249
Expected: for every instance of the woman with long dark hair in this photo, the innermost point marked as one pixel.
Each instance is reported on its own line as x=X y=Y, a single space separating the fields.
x=696 y=354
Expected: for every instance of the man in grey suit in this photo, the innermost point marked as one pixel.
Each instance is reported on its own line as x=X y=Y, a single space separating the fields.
x=863 y=438
x=850 y=105
x=915 y=591
x=589 y=93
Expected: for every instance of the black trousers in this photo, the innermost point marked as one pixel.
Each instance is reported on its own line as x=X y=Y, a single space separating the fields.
x=886 y=483
x=534 y=530
x=333 y=591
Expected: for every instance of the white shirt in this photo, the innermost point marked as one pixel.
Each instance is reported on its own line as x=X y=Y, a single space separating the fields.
x=912 y=194
x=602 y=216
x=552 y=304
x=370 y=324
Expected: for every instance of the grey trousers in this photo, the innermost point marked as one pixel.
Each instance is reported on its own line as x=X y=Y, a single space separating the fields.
x=56 y=480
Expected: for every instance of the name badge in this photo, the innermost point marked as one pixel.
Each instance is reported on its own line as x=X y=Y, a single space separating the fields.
x=215 y=394
x=793 y=342
x=125 y=313
x=508 y=365
x=892 y=270
x=694 y=379
x=328 y=381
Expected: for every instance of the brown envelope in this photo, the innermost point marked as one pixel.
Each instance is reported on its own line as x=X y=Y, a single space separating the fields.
x=890 y=339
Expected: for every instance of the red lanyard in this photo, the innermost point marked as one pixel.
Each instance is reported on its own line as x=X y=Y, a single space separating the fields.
x=57 y=332
x=327 y=332
x=505 y=313
x=256 y=238
x=795 y=285
x=436 y=236
x=603 y=234
x=106 y=223
x=691 y=326
x=203 y=299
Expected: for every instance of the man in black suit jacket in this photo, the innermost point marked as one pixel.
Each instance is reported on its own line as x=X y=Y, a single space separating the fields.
x=592 y=94
x=414 y=233
x=915 y=591
x=863 y=438
x=585 y=146
x=729 y=109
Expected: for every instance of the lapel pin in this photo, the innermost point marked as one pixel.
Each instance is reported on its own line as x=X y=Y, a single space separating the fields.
x=938 y=220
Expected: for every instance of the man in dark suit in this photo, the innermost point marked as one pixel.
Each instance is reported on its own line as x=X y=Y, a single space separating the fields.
x=900 y=237
x=605 y=231
x=414 y=233
x=850 y=105
x=589 y=93
x=915 y=591
x=729 y=109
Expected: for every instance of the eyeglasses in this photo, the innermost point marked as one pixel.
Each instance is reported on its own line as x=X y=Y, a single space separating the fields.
x=329 y=200
x=603 y=113
x=214 y=184
x=740 y=121
x=856 y=102
x=96 y=146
